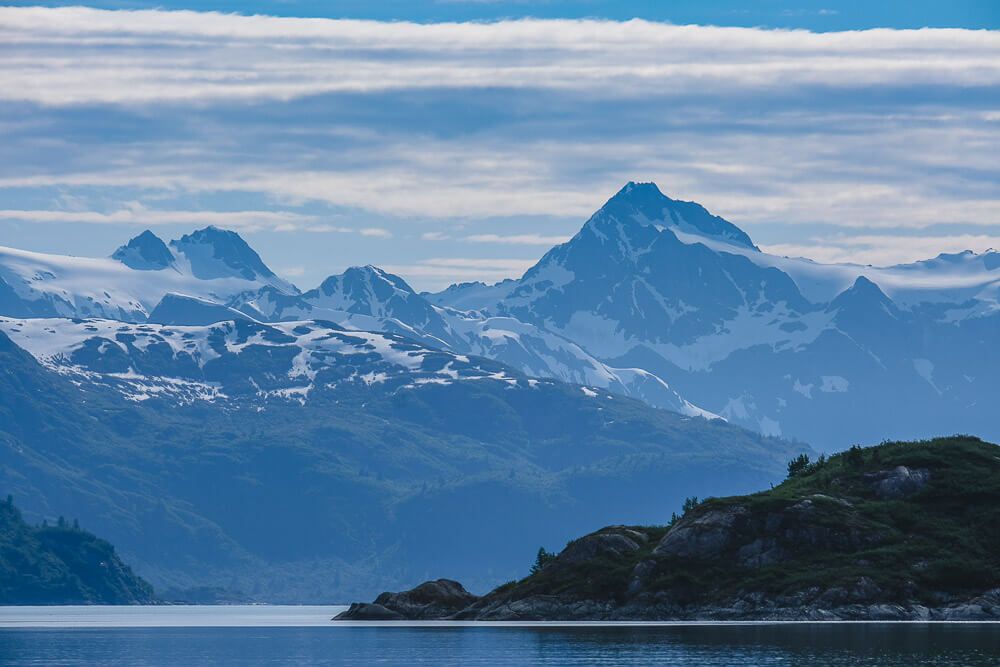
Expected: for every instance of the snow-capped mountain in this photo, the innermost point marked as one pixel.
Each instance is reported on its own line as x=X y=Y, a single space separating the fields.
x=242 y=361
x=367 y=298
x=653 y=298
x=211 y=263
x=827 y=353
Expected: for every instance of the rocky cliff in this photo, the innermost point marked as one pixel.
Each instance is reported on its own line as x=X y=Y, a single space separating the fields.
x=897 y=531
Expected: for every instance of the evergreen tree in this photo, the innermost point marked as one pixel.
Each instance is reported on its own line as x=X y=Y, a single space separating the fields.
x=542 y=559
x=798 y=465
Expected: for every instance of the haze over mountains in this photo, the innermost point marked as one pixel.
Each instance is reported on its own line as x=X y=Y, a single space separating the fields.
x=654 y=298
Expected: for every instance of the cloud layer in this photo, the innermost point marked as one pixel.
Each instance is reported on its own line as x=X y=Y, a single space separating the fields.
x=472 y=138
x=78 y=55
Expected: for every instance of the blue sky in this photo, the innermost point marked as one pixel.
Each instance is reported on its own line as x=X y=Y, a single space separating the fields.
x=818 y=15
x=463 y=151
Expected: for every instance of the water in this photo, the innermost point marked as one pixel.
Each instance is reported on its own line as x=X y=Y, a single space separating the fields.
x=264 y=635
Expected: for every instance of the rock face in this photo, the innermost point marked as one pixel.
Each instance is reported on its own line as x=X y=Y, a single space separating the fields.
x=898 y=482
x=430 y=600
x=865 y=535
x=612 y=542
x=705 y=536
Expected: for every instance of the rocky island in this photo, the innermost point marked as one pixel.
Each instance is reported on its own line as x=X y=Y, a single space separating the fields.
x=899 y=531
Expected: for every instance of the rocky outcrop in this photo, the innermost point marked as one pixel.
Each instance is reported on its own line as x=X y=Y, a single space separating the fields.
x=899 y=482
x=612 y=542
x=430 y=600
x=707 y=535
x=902 y=531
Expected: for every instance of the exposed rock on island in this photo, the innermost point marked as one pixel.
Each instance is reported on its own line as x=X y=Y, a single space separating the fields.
x=901 y=531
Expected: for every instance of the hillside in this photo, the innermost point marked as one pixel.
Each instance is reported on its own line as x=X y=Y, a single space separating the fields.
x=373 y=464
x=62 y=564
x=904 y=530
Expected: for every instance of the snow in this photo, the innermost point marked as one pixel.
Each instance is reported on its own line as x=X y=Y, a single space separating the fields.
x=84 y=287
x=834 y=384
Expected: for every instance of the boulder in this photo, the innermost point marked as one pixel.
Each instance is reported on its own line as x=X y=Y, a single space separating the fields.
x=611 y=543
x=430 y=600
x=899 y=482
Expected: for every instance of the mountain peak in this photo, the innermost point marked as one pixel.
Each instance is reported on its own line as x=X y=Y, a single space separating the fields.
x=221 y=253
x=145 y=252
x=645 y=203
x=862 y=299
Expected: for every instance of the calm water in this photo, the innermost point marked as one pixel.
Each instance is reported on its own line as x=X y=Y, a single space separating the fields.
x=160 y=636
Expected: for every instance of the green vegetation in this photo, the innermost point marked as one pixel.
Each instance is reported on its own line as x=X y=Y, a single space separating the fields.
x=378 y=484
x=542 y=559
x=856 y=519
x=61 y=565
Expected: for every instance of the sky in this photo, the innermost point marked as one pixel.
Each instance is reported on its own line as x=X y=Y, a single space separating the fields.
x=454 y=140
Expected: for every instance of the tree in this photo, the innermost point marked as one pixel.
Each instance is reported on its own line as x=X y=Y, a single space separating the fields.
x=798 y=465
x=689 y=504
x=541 y=560
x=855 y=456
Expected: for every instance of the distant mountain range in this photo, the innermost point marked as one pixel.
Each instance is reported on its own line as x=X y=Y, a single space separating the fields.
x=301 y=462
x=228 y=430
x=654 y=298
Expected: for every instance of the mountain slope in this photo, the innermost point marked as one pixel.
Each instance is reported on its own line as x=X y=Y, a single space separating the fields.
x=399 y=460
x=783 y=346
x=898 y=531
x=62 y=565
x=368 y=298
x=211 y=264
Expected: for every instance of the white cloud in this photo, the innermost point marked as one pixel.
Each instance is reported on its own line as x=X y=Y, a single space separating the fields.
x=137 y=214
x=881 y=130
x=292 y=271
x=77 y=55
x=439 y=272
x=883 y=250
x=517 y=239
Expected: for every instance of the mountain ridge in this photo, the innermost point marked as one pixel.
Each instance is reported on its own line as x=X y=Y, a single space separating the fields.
x=654 y=298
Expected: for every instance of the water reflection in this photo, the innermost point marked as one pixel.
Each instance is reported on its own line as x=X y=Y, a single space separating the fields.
x=889 y=645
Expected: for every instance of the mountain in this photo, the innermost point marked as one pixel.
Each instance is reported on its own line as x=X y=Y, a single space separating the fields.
x=61 y=564
x=654 y=298
x=368 y=298
x=182 y=309
x=210 y=264
x=300 y=461
x=145 y=252
x=868 y=534
x=780 y=345
x=213 y=253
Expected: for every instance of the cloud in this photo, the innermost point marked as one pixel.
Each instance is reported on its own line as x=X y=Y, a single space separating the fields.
x=517 y=239
x=78 y=55
x=376 y=232
x=883 y=250
x=137 y=214
x=438 y=272
x=512 y=129
x=292 y=271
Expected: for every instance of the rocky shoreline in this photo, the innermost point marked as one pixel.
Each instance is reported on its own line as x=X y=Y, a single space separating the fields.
x=813 y=605
x=898 y=532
